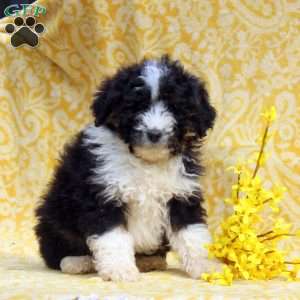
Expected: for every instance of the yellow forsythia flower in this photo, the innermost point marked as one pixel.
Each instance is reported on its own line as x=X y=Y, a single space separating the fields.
x=246 y=252
x=269 y=115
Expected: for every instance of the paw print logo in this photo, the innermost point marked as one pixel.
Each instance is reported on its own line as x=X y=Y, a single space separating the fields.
x=24 y=32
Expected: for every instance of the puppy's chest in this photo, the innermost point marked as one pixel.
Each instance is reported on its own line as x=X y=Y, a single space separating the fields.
x=146 y=193
x=146 y=190
x=147 y=223
x=153 y=184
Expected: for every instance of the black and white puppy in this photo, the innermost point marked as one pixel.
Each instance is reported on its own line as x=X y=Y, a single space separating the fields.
x=129 y=184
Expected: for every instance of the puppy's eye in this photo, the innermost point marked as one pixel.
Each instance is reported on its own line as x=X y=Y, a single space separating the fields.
x=137 y=84
x=167 y=93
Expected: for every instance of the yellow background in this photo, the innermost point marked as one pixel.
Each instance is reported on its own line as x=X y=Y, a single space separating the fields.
x=247 y=51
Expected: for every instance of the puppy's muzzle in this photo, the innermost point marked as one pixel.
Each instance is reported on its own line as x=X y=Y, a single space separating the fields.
x=154 y=135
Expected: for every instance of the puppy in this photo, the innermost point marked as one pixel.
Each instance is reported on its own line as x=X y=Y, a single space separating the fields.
x=127 y=187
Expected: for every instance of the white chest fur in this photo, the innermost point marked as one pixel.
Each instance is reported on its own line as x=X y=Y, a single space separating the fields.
x=147 y=224
x=145 y=188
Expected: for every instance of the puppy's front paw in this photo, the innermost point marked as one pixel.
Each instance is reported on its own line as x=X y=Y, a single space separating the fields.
x=120 y=273
x=197 y=265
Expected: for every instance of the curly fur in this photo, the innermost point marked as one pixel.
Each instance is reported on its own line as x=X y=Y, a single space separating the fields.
x=128 y=184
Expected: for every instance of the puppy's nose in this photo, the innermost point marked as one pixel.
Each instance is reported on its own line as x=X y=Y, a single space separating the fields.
x=154 y=135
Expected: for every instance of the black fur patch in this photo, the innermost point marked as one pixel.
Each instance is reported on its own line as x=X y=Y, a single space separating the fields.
x=186 y=212
x=71 y=209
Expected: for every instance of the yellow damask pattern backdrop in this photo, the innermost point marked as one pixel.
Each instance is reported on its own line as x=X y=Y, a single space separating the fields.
x=247 y=51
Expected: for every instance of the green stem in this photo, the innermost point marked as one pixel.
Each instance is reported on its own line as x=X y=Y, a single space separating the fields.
x=261 y=151
x=276 y=236
x=267 y=200
x=291 y=263
x=238 y=188
x=265 y=233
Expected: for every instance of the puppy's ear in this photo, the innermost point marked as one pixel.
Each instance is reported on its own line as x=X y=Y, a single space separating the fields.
x=205 y=113
x=104 y=103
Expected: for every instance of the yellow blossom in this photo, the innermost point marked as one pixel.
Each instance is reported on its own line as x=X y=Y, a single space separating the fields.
x=270 y=114
x=247 y=252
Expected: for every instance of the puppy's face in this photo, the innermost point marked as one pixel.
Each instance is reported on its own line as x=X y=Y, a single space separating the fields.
x=156 y=107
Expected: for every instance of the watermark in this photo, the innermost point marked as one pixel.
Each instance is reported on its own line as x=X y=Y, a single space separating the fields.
x=25 y=30
x=16 y=10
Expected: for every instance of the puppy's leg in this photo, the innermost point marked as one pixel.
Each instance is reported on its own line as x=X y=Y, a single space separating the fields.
x=113 y=253
x=77 y=264
x=189 y=235
x=189 y=243
x=54 y=246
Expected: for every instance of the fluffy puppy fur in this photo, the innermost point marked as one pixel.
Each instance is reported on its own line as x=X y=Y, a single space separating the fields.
x=127 y=186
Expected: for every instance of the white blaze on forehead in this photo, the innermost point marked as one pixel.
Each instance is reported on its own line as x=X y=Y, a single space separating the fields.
x=151 y=74
x=158 y=117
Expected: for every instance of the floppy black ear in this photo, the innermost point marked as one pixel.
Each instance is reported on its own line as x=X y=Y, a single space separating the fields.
x=205 y=112
x=105 y=100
